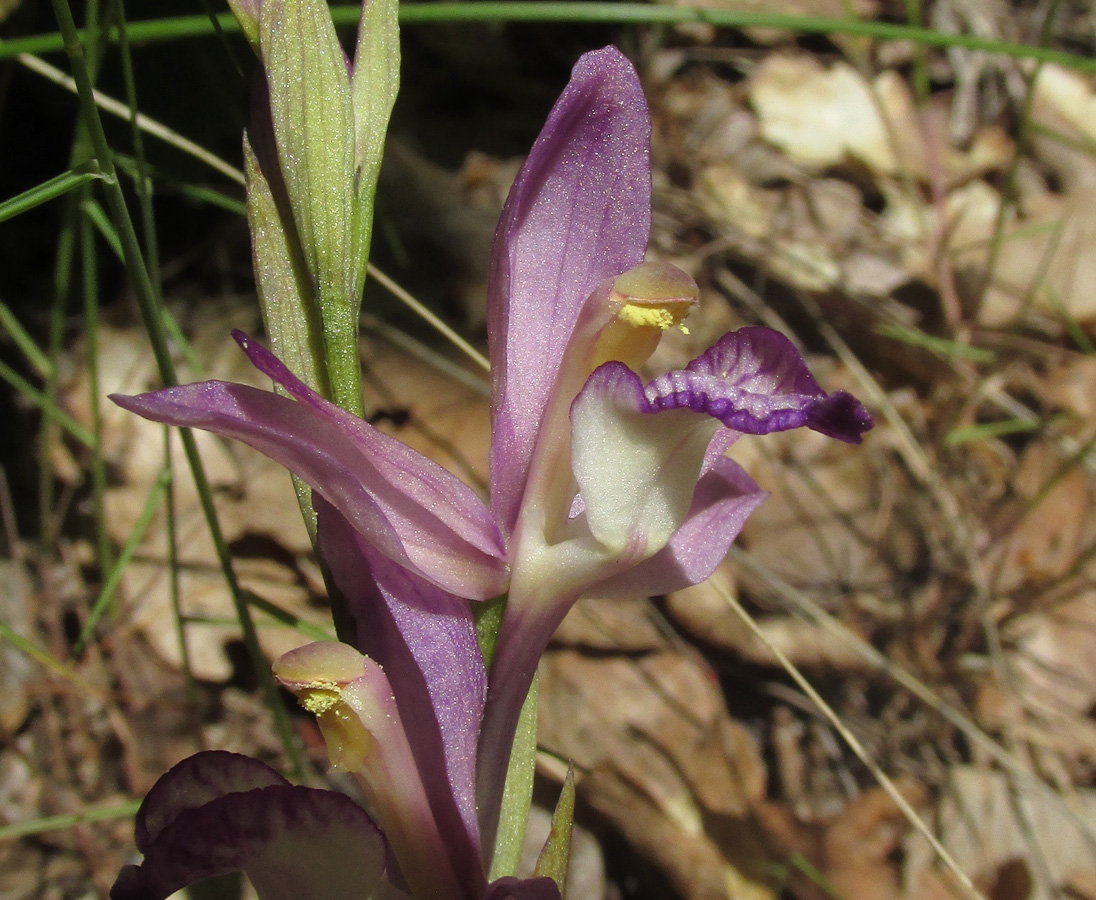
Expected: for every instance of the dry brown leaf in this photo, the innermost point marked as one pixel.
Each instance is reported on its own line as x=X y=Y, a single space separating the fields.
x=599 y=624
x=851 y=849
x=984 y=825
x=665 y=763
x=1045 y=262
x=702 y=612
x=827 y=517
x=821 y=117
x=428 y=410
x=1056 y=522
x=1052 y=667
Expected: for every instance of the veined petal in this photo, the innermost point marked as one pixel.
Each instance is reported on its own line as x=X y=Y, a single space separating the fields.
x=754 y=381
x=425 y=640
x=294 y=843
x=578 y=213
x=194 y=782
x=354 y=704
x=407 y=506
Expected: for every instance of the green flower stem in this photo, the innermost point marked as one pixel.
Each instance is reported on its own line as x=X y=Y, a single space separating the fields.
x=344 y=366
x=174 y=28
x=150 y=312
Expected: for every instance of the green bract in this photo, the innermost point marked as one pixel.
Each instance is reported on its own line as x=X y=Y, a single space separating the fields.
x=321 y=125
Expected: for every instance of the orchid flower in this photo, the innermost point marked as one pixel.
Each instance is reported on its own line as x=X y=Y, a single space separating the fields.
x=602 y=484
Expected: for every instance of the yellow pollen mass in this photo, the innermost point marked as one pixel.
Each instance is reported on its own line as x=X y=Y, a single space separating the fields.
x=650 y=316
x=318 y=699
x=644 y=303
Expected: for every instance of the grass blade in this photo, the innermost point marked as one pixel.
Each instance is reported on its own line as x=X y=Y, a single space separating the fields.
x=177 y=28
x=56 y=823
x=22 y=339
x=56 y=187
x=114 y=577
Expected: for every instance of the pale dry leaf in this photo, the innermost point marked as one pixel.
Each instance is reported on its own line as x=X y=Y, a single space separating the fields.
x=702 y=118
x=826 y=117
x=1082 y=883
x=1064 y=102
x=664 y=762
x=728 y=197
x=1071 y=387
x=703 y=613
x=600 y=624
x=822 y=117
x=984 y=825
x=773 y=223
x=1055 y=525
x=1045 y=259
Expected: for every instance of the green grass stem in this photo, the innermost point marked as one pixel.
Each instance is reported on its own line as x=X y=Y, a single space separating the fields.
x=944 y=347
x=56 y=823
x=55 y=187
x=45 y=403
x=177 y=28
x=114 y=577
x=151 y=314
x=97 y=216
x=103 y=550
x=31 y=650
x=173 y=588
x=22 y=339
x=985 y=430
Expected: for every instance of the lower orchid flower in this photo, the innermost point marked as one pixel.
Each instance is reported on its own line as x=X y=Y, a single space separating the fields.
x=602 y=483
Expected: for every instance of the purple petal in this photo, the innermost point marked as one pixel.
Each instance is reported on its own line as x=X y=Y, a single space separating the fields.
x=425 y=640
x=511 y=888
x=407 y=506
x=578 y=213
x=194 y=782
x=294 y=843
x=754 y=381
